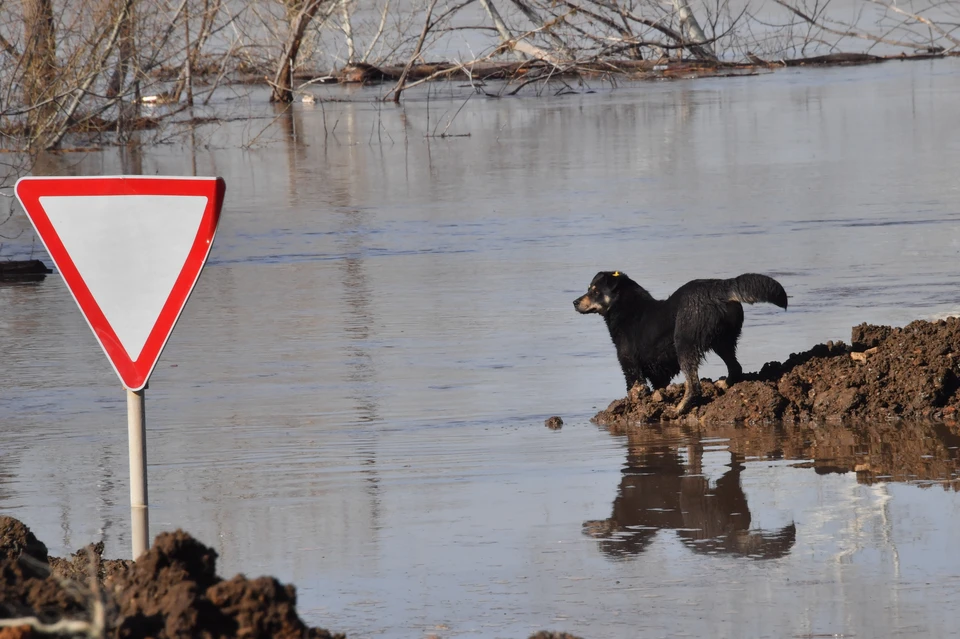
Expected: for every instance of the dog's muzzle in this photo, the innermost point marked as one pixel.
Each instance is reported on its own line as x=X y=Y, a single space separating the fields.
x=584 y=304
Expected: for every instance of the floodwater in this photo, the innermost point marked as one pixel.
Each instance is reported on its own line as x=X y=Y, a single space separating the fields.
x=354 y=398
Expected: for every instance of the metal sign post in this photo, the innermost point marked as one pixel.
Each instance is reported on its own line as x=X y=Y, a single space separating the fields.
x=137 y=436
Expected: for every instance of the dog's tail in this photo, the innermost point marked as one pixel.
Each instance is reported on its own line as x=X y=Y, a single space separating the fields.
x=751 y=288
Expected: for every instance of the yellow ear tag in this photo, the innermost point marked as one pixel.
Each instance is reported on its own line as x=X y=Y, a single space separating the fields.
x=616 y=273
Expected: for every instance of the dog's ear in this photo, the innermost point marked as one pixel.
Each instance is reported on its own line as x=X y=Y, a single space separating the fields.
x=609 y=280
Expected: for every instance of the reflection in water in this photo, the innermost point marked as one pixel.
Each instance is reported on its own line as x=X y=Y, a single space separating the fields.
x=878 y=452
x=362 y=377
x=131 y=155
x=7 y=468
x=664 y=488
x=658 y=491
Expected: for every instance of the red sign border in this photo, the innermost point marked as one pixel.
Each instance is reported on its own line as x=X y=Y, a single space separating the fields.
x=29 y=190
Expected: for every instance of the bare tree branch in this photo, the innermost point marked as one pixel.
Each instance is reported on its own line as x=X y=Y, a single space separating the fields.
x=376 y=36
x=519 y=44
x=283 y=80
x=398 y=89
x=535 y=18
x=848 y=32
x=692 y=31
x=918 y=18
x=96 y=69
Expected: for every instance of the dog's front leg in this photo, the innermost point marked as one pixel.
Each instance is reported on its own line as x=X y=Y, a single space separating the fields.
x=631 y=373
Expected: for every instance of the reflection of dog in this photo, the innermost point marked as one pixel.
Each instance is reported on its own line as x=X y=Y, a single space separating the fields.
x=658 y=492
x=656 y=339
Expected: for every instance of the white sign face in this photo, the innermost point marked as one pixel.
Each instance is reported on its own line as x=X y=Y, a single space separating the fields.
x=147 y=239
x=130 y=250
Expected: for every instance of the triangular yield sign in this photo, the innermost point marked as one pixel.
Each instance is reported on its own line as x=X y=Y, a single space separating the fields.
x=130 y=249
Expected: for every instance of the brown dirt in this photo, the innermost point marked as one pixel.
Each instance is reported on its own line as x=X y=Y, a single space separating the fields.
x=553 y=423
x=77 y=566
x=16 y=540
x=886 y=374
x=172 y=591
x=27 y=587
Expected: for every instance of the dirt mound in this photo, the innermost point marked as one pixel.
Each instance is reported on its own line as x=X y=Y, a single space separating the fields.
x=172 y=591
x=26 y=585
x=16 y=540
x=885 y=374
x=77 y=567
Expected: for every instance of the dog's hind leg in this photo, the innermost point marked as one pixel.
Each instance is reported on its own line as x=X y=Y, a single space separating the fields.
x=690 y=366
x=697 y=327
x=727 y=350
x=725 y=343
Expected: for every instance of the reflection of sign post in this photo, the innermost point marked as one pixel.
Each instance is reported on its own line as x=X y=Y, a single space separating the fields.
x=130 y=250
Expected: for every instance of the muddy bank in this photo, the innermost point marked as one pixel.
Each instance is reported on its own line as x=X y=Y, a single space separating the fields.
x=173 y=590
x=884 y=374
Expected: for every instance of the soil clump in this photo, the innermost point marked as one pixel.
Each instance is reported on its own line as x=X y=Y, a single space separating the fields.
x=171 y=591
x=885 y=374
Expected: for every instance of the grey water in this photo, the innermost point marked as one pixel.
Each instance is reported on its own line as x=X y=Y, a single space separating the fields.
x=353 y=400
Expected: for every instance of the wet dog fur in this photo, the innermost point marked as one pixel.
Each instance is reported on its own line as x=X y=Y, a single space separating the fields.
x=656 y=339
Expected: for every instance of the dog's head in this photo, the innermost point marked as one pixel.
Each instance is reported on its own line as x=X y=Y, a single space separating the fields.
x=602 y=294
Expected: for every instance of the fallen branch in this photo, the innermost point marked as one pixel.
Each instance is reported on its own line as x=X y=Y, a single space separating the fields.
x=62 y=627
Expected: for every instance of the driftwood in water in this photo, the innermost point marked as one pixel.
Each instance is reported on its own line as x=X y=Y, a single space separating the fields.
x=831 y=59
x=512 y=70
x=23 y=270
x=488 y=70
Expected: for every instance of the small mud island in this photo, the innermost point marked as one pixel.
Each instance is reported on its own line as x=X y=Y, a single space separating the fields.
x=884 y=373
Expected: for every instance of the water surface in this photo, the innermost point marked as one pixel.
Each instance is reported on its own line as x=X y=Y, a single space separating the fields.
x=354 y=398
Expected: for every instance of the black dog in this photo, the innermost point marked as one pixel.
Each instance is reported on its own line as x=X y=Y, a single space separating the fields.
x=656 y=339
